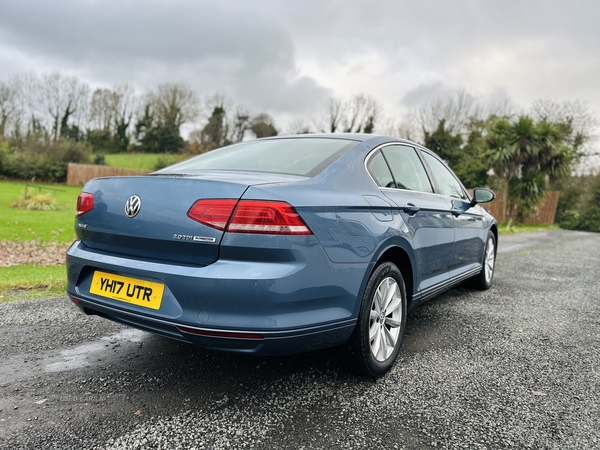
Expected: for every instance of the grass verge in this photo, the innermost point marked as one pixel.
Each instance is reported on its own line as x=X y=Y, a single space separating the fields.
x=510 y=229
x=32 y=281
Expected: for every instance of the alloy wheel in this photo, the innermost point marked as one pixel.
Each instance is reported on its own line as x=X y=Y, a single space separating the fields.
x=385 y=319
x=490 y=259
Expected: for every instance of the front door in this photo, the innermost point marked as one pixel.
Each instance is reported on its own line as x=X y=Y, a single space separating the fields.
x=426 y=214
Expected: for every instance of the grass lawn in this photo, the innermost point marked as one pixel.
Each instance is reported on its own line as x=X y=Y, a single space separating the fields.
x=29 y=280
x=25 y=225
x=142 y=161
x=506 y=229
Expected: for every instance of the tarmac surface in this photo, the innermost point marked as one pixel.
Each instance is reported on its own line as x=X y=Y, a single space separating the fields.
x=517 y=366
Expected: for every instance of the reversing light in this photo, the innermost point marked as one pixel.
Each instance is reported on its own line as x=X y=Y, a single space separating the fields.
x=249 y=216
x=85 y=203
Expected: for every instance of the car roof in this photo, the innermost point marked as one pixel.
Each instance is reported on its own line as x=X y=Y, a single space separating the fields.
x=359 y=137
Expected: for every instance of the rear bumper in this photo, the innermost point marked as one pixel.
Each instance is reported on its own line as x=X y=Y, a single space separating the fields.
x=289 y=306
x=269 y=343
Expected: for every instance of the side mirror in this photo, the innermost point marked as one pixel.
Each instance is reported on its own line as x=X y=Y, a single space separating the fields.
x=482 y=195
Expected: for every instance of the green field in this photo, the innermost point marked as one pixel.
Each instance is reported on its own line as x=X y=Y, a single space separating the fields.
x=142 y=161
x=25 y=225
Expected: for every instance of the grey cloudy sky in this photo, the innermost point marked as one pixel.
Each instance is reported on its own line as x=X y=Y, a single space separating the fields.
x=288 y=57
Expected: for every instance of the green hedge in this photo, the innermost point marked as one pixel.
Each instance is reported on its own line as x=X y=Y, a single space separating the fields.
x=42 y=159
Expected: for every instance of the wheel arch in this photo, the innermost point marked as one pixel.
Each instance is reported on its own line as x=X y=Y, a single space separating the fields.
x=402 y=260
x=494 y=229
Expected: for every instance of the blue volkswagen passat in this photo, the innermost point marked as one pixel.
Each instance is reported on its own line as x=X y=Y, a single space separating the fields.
x=282 y=245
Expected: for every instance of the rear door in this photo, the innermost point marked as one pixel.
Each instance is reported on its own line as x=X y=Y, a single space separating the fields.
x=426 y=214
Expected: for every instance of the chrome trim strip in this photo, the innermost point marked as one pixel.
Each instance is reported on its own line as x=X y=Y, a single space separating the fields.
x=445 y=285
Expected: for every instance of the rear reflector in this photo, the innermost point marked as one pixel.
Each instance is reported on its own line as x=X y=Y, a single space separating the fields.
x=249 y=216
x=74 y=300
x=85 y=203
x=221 y=334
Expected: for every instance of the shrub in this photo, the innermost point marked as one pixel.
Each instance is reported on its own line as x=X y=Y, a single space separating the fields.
x=99 y=159
x=579 y=204
x=37 y=202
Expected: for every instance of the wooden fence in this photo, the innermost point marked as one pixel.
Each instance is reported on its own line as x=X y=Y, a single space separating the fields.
x=546 y=210
x=78 y=174
x=543 y=214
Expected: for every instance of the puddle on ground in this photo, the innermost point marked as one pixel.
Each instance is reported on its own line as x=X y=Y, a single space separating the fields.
x=78 y=357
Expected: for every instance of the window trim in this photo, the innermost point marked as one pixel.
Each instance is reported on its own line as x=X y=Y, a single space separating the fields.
x=371 y=154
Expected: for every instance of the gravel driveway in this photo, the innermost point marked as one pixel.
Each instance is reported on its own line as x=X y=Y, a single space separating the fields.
x=517 y=366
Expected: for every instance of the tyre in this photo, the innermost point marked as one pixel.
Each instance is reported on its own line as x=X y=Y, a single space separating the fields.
x=375 y=343
x=483 y=281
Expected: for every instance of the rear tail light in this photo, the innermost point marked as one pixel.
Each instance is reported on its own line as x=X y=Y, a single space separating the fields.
x=85 y=203
x=249 y=216
x=214 y=213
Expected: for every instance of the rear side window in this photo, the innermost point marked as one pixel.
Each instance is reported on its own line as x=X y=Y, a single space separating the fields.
x=298 y=156
x=407 y=168
x=446 y=181
x=380 y=171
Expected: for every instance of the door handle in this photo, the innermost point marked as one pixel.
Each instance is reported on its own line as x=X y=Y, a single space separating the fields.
x=411 y=209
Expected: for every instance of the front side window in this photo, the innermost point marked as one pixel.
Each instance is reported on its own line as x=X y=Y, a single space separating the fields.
x=407 y=168
x=446 y=181
x=297 y=156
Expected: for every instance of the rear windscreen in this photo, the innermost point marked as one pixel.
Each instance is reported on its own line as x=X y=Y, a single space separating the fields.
x=295 y=156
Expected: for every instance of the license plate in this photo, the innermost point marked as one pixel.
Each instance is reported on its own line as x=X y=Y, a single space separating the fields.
x=129 y=290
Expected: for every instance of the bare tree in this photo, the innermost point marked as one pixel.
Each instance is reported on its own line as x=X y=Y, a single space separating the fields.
x=104 y=105
x=175 y=104
x=27 y=95
x=65 y=100
x=580 y=126
x=333 y=115
x=456 y=111
x=110 y=114
x=574 y=114
x=109 y=107
x=8 y=106
x=406 y=127
x=355 y=115
x=298 y=126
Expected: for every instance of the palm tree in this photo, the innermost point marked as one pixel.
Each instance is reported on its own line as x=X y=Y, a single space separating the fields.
x=527 y=155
